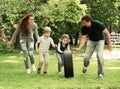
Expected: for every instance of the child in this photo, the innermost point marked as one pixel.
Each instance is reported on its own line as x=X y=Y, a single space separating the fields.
x=44 y=44
x=62 y=46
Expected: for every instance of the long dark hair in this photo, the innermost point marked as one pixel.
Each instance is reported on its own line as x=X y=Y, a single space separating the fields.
x=23 y=24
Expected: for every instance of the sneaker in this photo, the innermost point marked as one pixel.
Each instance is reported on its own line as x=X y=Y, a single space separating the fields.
x=45 y=72
x=84 y=69
x=38 y=71
x=100 y=76
x=33 y=67
x=28 y=71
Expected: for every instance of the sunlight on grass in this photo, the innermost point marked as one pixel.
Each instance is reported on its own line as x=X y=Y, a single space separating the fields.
x=1 y=87
x=10 y=61
x=12 y=57
x=112 y=68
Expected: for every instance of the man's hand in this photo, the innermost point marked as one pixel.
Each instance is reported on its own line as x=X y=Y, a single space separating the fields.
x=55 y=45
x=76 y=49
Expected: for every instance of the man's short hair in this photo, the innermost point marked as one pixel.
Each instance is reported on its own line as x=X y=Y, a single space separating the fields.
x=87 y=18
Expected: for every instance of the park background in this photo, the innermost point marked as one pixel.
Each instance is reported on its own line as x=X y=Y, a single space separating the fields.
x=63 y=16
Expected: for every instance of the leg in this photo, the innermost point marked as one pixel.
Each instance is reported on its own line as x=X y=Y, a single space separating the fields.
x=30 y=50
x=26 y=63
x=46 y=56
x=59 y=58
x=41 y=60
x=25 y=52
x=88 y=53
x=100 y=48
x=31 y=54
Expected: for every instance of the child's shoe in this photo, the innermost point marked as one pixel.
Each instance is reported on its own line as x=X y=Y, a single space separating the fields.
x=38 y=71
x=45 y=72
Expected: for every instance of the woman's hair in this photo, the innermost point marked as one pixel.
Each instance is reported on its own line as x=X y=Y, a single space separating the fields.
x=64 y=36
x=23 y=24
x=87 y=18
x=46 y=29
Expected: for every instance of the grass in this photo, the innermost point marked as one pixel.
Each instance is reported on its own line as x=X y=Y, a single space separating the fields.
x=13 y=74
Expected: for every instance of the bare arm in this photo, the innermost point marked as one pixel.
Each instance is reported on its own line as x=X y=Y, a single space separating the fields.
x=53 y=44
x=82 y=42
x=14 y=37
x=108 y=39
x=59 y=48
x=36 y=46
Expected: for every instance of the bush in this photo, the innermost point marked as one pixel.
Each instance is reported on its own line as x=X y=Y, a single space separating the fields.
x=4 y=48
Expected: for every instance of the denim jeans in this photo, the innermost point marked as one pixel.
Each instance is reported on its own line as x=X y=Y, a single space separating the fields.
x=91 y=46
x=27 y=46
x=60 y=61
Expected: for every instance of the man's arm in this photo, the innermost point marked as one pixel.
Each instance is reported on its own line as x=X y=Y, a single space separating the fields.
x=108 y=38
x=82 y=42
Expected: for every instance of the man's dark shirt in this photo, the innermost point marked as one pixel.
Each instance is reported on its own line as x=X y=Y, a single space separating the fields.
x=95 y=32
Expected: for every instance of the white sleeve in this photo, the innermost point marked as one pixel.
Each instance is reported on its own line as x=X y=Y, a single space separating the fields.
x=52 y=42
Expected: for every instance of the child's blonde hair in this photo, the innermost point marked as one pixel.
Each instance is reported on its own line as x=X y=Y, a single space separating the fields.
x=64 y=36
x=46 y=29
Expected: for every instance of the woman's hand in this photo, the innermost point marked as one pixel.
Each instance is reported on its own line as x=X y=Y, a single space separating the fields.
x=10 y=43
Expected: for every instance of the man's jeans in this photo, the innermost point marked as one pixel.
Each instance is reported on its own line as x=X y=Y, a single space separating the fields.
x=91 y=45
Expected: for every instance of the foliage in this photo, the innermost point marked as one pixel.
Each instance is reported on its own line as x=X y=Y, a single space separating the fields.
x=103 y=10
x=4 y=48
x=62 y=16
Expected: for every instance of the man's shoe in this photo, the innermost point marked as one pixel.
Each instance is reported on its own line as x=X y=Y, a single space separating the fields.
x=38 y=71
x=84 y=69
x=100 y=76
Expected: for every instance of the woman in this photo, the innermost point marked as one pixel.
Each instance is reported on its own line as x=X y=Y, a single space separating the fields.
x=26 y=27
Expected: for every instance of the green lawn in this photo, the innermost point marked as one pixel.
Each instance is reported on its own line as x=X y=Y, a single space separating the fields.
x=13 y=74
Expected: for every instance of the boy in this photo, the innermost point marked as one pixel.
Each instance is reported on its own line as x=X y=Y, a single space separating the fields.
x=44 y=44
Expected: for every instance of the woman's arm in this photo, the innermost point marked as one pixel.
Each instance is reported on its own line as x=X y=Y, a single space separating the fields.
x=13 y=38
x=36 y=31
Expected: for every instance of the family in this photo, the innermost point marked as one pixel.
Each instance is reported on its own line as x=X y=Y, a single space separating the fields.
x=92 y=29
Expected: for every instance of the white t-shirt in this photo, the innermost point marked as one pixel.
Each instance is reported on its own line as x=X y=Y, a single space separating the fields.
x=45 y=44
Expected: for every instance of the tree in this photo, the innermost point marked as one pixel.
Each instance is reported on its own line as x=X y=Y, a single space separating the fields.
x=103 y=10
x=63 y=16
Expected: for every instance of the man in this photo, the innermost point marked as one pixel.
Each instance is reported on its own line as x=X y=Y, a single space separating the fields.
x=95 y=31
